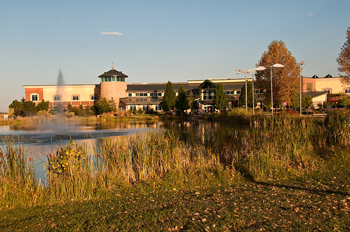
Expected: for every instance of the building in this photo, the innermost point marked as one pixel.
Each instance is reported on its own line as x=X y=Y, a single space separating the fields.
x=132 y=96
x=148 y=96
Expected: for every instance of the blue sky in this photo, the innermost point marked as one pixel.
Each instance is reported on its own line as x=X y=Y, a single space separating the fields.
x=157 y=41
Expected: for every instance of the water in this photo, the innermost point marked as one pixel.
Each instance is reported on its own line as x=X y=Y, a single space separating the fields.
x=41 y=139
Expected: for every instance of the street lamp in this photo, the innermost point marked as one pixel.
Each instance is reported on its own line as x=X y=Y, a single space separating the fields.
x=239 y=71
x=261 y=68
x=300 y=64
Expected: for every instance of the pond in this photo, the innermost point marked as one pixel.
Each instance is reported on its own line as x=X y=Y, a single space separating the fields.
x=40 y=139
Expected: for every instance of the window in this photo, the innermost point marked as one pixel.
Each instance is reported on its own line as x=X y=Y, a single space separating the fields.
x=308 y=87
x=75 y=98
x=34 y=97
x=158 y=107
x=238 y=92
x=57 y=98
x=94 y=97
x=113 y=78
x=327 y=90
x=347 y=90
x=159 y=94
x=141 y=94
x=257 y=91
x=129 y=94
x=132 y=107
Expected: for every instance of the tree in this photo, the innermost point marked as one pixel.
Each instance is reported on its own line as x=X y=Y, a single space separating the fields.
x=169 y=98
x=43 y=105
x=181 y=102
x=17 y=107
x=103 y=105
x=250 y=96
x=285 y=80
x=306 y=102
x=29 y=108
x=191 y=100
x=220 y=98
x=343 y=60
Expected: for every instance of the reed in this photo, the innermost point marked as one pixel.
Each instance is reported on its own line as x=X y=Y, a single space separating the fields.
x=18 y=184
x=282 y=147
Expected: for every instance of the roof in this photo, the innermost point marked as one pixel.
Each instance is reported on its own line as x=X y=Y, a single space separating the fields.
x=157 y=87
x=150 y=87
x=113 y=73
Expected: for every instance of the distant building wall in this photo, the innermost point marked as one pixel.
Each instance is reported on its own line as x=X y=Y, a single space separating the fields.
x=115 y=90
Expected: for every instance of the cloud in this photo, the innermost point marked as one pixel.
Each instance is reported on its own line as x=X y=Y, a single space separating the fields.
x=311 y=14
x=316 y=7
x=111 y=33
x=64 y=21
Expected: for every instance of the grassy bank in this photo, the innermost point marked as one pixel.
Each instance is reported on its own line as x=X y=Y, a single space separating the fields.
x=289 y=171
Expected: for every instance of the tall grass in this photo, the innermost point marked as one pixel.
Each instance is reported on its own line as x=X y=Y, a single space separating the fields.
x=281 y=147
x=18 y=183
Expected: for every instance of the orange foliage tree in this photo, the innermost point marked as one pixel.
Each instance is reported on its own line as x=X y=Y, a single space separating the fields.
x=285 y=81
x=344 y=60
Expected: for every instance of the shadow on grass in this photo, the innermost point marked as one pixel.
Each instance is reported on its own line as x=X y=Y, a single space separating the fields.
x=311 y=190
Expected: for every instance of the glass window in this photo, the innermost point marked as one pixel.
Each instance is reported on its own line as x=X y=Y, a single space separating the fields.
x=75 y=98
x=113 y=78
x=308 y=87
x=35 y=97
x=129 y=94
x=109 y=79
x=145 y=107
x=94 y=97
x=347 y=90
x=238 y=92
x=327 y=90
x=159 y=94
x=56 y=98
x=158 y=108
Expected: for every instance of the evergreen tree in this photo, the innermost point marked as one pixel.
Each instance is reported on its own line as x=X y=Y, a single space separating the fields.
x=181 y=102
x=250 y=96
x=343 y=60
x=43 y=105
x=169 y=98
x=220 y=98
x=29 y=108
x=285 y=80
x=191 y=100
x=103 y=105
x=17 y=107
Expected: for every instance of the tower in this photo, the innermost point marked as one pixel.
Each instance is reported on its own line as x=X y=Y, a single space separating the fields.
x=113 y=85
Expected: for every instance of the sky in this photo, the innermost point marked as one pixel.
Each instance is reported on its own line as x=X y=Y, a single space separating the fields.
x=155 y=41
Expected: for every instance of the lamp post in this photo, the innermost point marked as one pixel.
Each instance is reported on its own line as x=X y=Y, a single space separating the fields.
x=300 y=64
x=239 y=71
x=261 y=68
x=252 y=72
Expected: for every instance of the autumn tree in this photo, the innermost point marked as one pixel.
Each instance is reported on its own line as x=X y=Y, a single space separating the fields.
x=181 y=102
x=343 y=60
x=220 y=98
x=250 y=96
x=169 y=98
x=285 y=80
